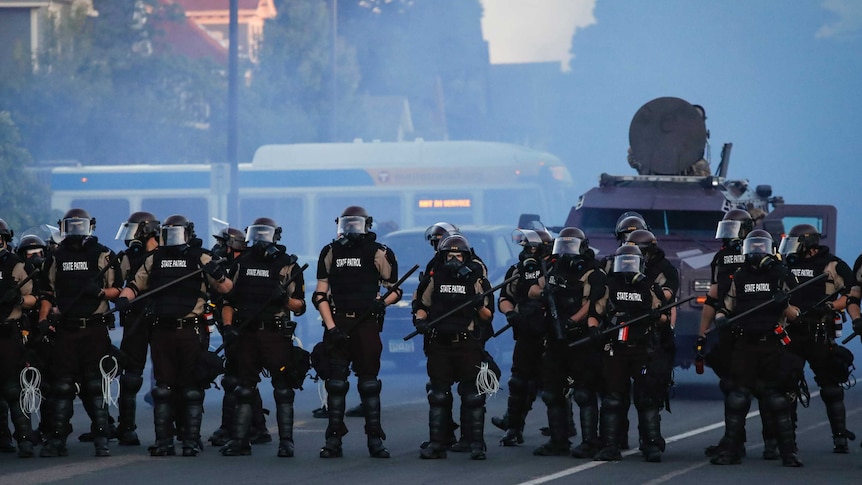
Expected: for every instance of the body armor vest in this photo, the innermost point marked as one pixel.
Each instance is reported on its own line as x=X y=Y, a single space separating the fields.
x=808 y=268
x=449 y=292
x=630 y=300
x=726 y=262
x=354 y=281
x=77 y=269
x=169 y=264
x=255 y=283
x=8 y=261
x=570 y=296
x=754 y=287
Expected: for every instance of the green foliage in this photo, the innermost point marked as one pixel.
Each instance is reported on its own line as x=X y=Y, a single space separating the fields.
x=25 y=201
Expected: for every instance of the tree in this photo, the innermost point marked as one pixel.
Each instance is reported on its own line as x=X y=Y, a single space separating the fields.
x=25 y=201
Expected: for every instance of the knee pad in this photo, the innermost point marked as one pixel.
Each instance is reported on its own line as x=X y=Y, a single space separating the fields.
x=369 y=387
x=162 y=394
x=777 y=402
x=337 y=387
x=725 y=385
x=643 y=400
x=229 y=382
x=552 y=398
x=738 y=399
x=518 y=385
x=831 y=394
x=613 y=401
x=193 y=395
x=131 y=382
x=439 y=396
x=283 y=395
x=11 y=391
x=64 y=389
x=473 y=400
x=584 y=397
x=244 y=395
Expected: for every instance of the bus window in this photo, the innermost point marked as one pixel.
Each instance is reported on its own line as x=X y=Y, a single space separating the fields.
x=286 y=211
x=109 y=213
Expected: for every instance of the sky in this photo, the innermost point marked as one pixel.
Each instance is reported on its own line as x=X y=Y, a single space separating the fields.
x=780 y=80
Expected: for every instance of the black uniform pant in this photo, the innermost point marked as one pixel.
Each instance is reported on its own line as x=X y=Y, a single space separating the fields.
x=817 y=352
x=526 y=375
x=580 y=369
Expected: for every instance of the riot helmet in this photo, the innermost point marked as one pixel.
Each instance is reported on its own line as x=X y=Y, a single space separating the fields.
x=645 y=241
x=758 y=248
x=354 y=223
x=628 y=259
x=736 y=224
x=572 y=241
x=547 y=241
x=234 y=239
x=800 y=239
x=177 y=231
x=139 y=227
x=32 y=248
x=438 y=231
x=76 y=222
x=627 y=222
x=262 y=230
x=5 y=233
x=456 y=253
x=529 y=240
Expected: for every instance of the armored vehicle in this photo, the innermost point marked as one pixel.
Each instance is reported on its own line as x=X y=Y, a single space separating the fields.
x=682 y=200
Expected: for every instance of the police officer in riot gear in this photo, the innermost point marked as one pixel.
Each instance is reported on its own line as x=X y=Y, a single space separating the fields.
x=759 y=343
x=140 y=233
x=178 y=333
x=257 y=325
x=16 y=295
x=579 y=288
x=350 y=271
x=31 y=249
x=634 y=359
x=527 y=318
x=813 y=334
x=454 y=346
x=79 y=278
x=731 y=230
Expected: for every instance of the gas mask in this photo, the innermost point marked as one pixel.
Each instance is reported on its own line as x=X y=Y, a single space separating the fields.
x=457 y=268
x=573 y=262
x=266 y=250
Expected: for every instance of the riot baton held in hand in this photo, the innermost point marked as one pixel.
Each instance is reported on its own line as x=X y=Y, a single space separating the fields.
x=634 y=320
x=471 y=301
x=392 y=289
x=777 y=297
x=22 y=283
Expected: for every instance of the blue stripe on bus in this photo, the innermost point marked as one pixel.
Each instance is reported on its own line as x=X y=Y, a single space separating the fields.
x=305 y=178
x=130 y=181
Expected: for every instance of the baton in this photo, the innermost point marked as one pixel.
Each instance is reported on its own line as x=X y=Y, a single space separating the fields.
x=166 y=285
x=633 y=320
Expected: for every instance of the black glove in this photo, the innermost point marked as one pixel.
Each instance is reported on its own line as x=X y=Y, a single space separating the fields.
x=12 y=295
x=278 y=293
x=421 y=325
x=514 y=319
x=781 y=297
x=122 y=304
x=721 y=321
x=214 y=271
x=44 y=327
x=857 y=325
x=596 y=336
x=336 y=336
x=230 y=335
x=378 y=307
x=699 y=346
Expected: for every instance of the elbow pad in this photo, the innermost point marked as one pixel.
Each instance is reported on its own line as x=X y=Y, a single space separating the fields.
x=713 y=302
x=317 y=297
x=854 y=300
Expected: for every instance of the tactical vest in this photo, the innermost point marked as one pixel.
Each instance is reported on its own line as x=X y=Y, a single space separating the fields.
x=77 y=269
x=570 y=296
x=754 y=287
x=529 y=275
x=8 y=261
x=255 y=283
x=725 y=263
x=806 y=269
x=354 y=281
x=449 y=292
x=169 y=264
x=630 y=300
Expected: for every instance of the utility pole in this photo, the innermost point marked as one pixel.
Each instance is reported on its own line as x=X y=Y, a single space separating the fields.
x=232 y=113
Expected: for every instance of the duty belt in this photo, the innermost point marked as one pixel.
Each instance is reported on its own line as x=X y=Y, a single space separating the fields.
x=447 y=338
x=272 y=323
x=84 y=322
x=177 y=323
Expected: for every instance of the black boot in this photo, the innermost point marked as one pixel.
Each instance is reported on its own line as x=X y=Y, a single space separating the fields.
x=259 y=433
x=163 y=422
x=477 y=429
x=516 y=413
x=6 y=443
x=228 y=408
x=193 y=415
x=21 y=422
x=238 y=445
x=130 y=384
x=589 y=414
x=369 y=393
x=610 y=423
x=558 y=426
x=284 y=397
x=649 y=422
x=63 y=393
x=833 y=399
x=736 y=406
x=335 y=401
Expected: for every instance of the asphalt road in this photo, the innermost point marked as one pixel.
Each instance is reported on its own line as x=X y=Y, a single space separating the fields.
x=694 y=423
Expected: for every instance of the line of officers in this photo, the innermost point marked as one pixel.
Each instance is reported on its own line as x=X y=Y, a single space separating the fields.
x=586 y=330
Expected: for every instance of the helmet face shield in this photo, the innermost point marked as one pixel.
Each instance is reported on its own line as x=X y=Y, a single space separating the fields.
x=259 y=233
x=728 y=230
x=567 y=245
x=351 y=225
x=628 y=263
x=75 y=226
x=757 y=245
x=174 y=235
x=526 y=237
x=789 y=245
x=127 y=231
